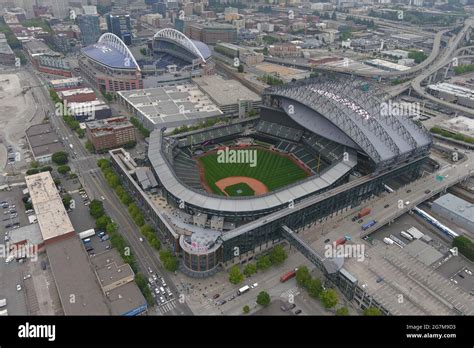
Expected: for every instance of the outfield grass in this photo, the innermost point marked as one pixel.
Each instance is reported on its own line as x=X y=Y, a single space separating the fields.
x=241 y=189
x=272 y=169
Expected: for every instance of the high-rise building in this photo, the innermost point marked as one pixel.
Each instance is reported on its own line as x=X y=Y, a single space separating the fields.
x=90 y=29
x=119 y=24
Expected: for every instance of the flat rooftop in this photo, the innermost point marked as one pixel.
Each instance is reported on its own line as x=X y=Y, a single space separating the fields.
x=30 y=233
x=43 y=140
x=75 y=279
x=48 y=205
x=456 y=205
x=113 y=272
x=126 y=300
x=171 y=104
x=225 y=92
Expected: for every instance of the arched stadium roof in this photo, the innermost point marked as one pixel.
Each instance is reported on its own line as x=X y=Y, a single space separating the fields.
x=356 y=108
x=200 y=49
x=110 y=50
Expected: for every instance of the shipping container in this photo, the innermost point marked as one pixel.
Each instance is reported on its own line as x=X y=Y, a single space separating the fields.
x=363 y=212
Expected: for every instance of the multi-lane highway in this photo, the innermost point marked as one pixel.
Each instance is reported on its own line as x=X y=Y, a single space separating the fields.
x=85 y=165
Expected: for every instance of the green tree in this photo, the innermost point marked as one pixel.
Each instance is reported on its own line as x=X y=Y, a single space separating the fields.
x=235 y=276
x=278 y=255
x=314 y=287
x=111 y=228
x=264 y=263
x=246 y=309
x=342 y=311
x=60 y=157
x=102 y=222
x=170 y=262
x=96 y=208
x=250 y=269
x=64 y=169
x=329 y=298
x=303 y=276
x=263 y=298
x=372 y=311
x=67 y=201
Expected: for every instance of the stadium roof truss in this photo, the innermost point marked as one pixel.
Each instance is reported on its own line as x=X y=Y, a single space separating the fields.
x=113 y=41
x=179 y=37
x=386 y=138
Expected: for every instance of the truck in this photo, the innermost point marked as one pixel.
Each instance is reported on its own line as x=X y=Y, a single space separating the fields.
x=288 y=275
x=342 y=240
x=3 y=302
x=4 y=312
x=406 y=235
x=70 y=145
x=87 y=233
x=368 y=224
x=363 y=212
x=243 y=290
x=388 y=241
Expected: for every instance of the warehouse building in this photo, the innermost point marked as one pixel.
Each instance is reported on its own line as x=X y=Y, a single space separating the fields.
x=456 y=210
x=169 y=106
x=453 y=93
x=65 y=84
x=43 y=142
x=230 y=96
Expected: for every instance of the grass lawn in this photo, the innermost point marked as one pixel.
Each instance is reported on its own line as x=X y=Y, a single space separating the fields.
x=272 y=169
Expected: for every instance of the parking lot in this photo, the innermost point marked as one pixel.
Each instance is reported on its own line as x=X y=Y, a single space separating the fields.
x=26 y=284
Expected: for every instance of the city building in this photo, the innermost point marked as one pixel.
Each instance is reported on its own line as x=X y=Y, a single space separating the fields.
x=46 y=60
x=53 y=219
x=65 y=84
x=119 y=24
x=456 y=210
x=7 y=56
x=110 y=66
x=110 y=133
x=90 y=28
x=454 y=93
x=284 y=50
x=77 y=95
x=89 y=110
x=43 y=142
x=211 y=33
x=386 y=65
x=169 y=106
x=230 y=96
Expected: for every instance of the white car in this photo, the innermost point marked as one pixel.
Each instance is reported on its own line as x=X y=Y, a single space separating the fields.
x=468 y=271
x=27 y=277
x=18 y=287
x=254 y=285
x=407 y=203
x=140 y=239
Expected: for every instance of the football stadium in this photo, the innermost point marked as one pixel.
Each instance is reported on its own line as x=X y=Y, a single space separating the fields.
x=319 y=146
x=110 y=66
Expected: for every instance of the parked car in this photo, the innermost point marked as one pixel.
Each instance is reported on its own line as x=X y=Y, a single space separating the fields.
x=18 y=287
x=216 y=296
x=298 y=311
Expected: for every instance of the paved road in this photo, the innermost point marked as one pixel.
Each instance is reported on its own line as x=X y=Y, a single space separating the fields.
x=414 y=193
x=445 y=57
x=89 y=174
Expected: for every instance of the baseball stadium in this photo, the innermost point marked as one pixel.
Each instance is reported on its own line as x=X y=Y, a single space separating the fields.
x=318 y=146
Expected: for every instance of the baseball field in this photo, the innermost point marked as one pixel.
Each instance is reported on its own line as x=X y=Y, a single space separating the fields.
x=272 y=171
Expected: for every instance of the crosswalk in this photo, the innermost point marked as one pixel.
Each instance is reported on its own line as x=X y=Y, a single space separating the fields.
x=293 y=292
x=165 y=308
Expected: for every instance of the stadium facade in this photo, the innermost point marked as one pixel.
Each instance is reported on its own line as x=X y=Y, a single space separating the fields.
x=331 y=126
x=176 y=57
x=110 y=66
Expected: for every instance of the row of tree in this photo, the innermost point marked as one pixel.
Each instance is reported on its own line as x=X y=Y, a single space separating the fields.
x=70 y=120
x=114 y=182
x=456 y=136
x=275 y=257
x=104 y=223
